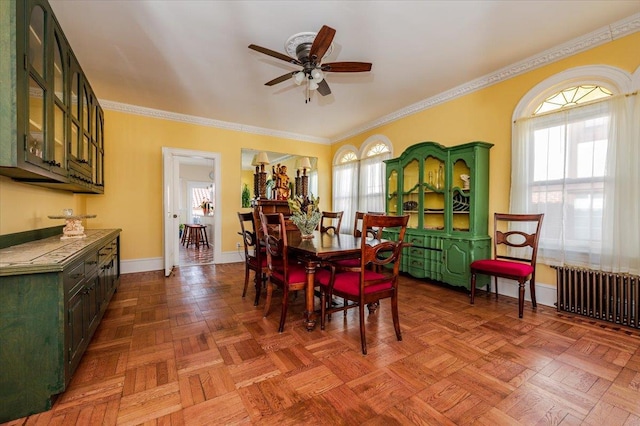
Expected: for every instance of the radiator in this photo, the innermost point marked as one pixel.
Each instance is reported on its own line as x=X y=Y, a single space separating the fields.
x=601 y=295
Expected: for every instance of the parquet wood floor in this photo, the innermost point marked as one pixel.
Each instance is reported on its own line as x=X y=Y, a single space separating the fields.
x=188 y=350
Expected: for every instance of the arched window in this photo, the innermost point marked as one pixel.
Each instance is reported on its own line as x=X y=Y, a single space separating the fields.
x=375 y=150
x=571 y=160
x=346 y=167
x=359 y=178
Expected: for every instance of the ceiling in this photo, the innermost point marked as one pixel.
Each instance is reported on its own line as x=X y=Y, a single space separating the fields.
x=191 y=57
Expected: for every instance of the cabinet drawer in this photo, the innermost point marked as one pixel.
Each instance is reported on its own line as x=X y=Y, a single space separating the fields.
x=73 y=276
x=91 y=264
x=107 y=251
x=416 y=240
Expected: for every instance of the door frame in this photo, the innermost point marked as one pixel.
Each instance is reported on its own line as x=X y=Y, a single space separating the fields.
x=171 y=189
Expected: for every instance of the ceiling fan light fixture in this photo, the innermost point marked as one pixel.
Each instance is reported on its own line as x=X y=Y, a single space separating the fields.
x=312 y=84
x=298 y=77
x=317 y=75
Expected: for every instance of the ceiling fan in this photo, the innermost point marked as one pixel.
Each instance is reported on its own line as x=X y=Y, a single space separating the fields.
x=309 y=49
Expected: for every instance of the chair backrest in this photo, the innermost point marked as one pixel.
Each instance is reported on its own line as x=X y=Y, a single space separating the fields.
x=509 y=235
x=379 y=253
x=371 y=232
x=275 y=240
x=334 y=219
x=248 y=234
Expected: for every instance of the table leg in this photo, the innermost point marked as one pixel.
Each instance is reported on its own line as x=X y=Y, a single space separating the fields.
x=309 y=313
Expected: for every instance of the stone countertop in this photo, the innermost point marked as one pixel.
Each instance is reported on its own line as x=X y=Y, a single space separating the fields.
x=48 y=254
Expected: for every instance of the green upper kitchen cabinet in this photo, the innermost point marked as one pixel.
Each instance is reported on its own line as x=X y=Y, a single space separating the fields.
x=51 y=126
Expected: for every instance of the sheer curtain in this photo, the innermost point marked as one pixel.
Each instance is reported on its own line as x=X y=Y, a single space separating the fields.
x=372 y=183
x=579 y=167
x=345 y=188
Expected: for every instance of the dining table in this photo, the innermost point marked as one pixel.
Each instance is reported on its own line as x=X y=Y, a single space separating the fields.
x=323 y=247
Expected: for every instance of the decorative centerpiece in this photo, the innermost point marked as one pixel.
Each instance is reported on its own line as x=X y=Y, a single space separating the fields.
x=73 y=224
x=305 y=214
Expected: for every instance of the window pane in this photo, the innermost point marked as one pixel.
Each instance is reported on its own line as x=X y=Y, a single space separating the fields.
x=36 y=119
x=58 y=74
x=36 y=40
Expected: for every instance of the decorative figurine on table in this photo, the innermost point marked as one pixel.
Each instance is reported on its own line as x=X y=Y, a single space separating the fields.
x=282 y=190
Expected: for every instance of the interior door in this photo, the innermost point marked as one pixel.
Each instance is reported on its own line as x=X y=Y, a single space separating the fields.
x=170 y=201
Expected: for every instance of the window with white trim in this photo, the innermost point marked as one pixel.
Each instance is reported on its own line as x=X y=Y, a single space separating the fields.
x=571 y=162
x=359 y=179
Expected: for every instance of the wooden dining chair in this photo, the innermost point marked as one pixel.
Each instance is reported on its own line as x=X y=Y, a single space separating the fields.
x=283 y=271
x=255 y=257
x=357 y=232
x=358 y=226
x=333 y=222
x=519 y=266
x=365 y=285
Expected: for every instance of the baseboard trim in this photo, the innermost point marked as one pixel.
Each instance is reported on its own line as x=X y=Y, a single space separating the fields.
x=546 y=294
x=157 y=263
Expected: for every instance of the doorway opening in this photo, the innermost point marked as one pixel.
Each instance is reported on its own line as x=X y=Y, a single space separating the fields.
x=190 y=198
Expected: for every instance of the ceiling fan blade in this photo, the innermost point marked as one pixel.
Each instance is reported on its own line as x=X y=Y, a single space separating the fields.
x=274 y=54
x=323 y=88
x=347 y=67
x=280 y=79
x=321 y=43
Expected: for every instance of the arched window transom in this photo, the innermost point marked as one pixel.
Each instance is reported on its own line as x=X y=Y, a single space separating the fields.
x=572 y=96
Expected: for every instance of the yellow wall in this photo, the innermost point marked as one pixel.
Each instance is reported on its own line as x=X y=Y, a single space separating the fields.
x=486 y=115
x=133 y=175
x=133 y=169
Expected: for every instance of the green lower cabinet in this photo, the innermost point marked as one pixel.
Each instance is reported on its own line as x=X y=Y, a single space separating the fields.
x=48 y=314
x=457 y=255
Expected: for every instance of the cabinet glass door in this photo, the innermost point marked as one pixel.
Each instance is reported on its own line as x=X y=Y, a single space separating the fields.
x=433 y=196
x=392 y=198
x=460 y=193
x=59 y=151
x=36 y=129
x=411 y=192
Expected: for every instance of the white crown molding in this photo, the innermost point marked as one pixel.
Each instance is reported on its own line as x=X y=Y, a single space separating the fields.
x=601 y=36
x=207 y=122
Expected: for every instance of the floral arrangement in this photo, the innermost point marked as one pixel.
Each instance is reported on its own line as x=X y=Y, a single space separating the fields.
x=305 y=213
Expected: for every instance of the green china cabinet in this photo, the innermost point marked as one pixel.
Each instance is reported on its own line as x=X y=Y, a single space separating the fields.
x=51 y=128
x=445 y=192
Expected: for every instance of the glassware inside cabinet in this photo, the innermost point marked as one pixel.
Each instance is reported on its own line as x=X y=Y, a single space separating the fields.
x=433 y=195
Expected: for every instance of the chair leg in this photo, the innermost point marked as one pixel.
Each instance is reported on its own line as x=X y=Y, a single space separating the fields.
x=323 y=309
x=267 y=303
x=363 y=337
x=473 y=287
x=259 y=279
x=496 y=280
x=285 y=306
x=396 y=317
x=520 y=299
x=246 y=281
x=532 y=288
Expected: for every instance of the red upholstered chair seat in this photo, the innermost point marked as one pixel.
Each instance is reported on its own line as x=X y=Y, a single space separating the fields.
x=502 y=267
x=297 y=273
x=348 y=263
x=349 y=282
